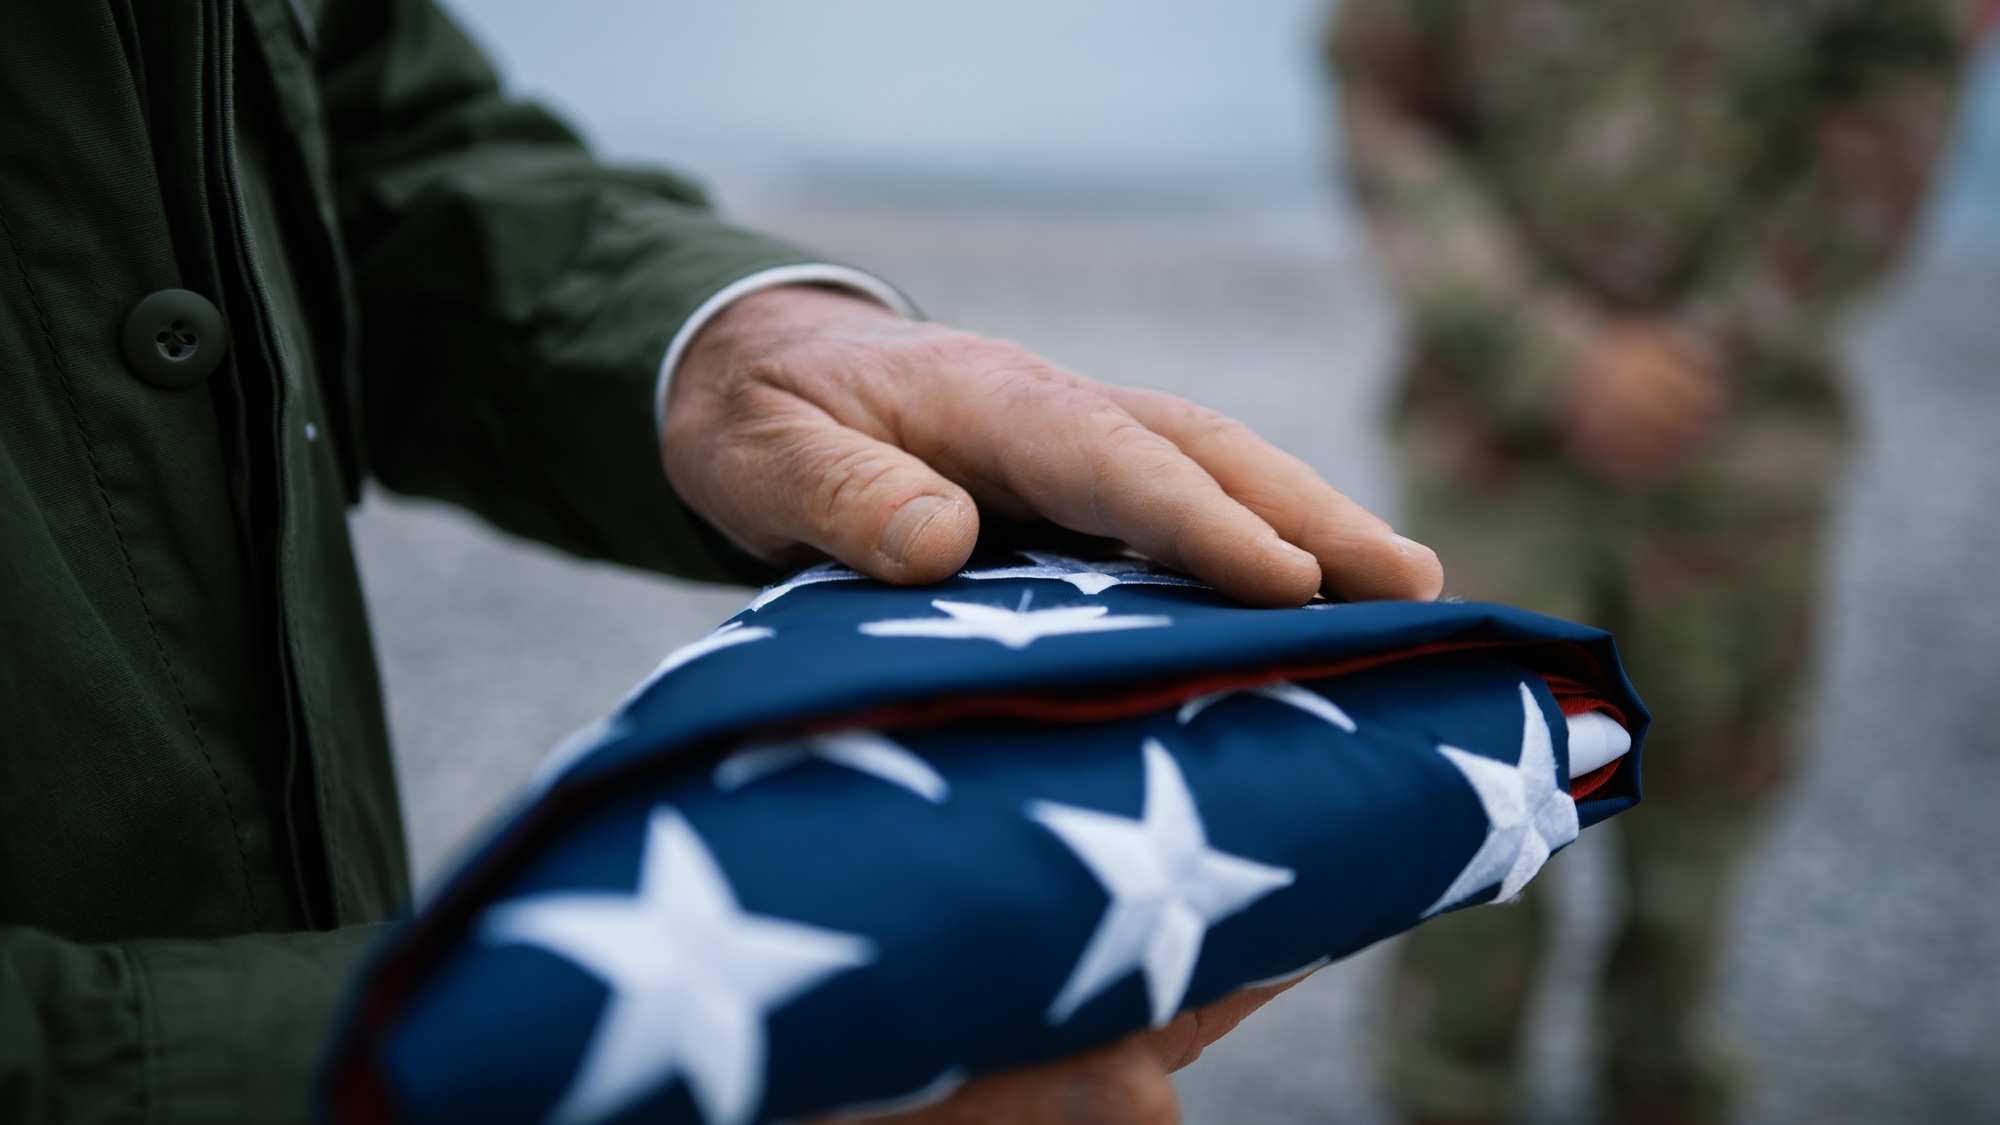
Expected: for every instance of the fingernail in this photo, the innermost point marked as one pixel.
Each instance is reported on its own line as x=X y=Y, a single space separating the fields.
x=907 y=526
x=1408 y=546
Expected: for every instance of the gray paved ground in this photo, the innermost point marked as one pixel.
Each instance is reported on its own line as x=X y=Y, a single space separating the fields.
x=1866 y=984
x=1867 y=981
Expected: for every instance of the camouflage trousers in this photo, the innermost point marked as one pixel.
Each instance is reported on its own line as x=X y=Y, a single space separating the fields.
x=1709 y=585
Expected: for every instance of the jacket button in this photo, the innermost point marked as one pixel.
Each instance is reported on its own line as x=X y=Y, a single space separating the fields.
x=174 y=338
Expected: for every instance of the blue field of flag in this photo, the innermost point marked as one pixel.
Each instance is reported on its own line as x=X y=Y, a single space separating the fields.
x=863 y=843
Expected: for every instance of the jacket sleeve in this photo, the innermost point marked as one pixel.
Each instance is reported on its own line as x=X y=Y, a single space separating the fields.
x=1859 y=131
x=1490 y=328
x=516 y=296
x=218 y=1031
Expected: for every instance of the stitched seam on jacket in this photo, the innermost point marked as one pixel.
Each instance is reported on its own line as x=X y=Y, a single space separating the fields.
x=118 y=532
x=145 y=1011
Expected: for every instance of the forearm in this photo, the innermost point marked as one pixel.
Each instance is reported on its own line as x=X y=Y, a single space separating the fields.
x=1844 y=196
x=1486 y=320
x=1483 y=314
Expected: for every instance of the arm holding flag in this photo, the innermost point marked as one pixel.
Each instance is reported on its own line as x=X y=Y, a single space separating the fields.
x=465 y=304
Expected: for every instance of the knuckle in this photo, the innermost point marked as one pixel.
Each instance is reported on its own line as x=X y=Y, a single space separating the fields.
x=1006 y=364
x=1191 y=423
x=950 y=349
x=1127 y=456
x=812 y=372
x=1205 y=426
x=1124 y=438
x=755 y=374
x=838 y=484
x=984 y=379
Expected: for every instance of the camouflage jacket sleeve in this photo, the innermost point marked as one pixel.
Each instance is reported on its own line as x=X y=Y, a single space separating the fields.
x=1484 y=314
x=1787 y=181
x=1856 y=126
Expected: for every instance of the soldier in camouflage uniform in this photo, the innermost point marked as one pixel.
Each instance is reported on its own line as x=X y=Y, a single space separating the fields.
x=1625 y=232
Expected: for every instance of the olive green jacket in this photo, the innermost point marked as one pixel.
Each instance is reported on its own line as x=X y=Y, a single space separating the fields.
x=423 y=282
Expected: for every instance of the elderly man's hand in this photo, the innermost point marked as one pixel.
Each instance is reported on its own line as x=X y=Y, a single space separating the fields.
x=805 y=421
x=1122 y=1084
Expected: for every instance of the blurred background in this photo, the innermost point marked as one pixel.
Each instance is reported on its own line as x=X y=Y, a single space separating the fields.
x=1147 y=191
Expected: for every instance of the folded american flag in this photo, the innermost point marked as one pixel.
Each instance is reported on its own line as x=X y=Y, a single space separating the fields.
x=864 y=842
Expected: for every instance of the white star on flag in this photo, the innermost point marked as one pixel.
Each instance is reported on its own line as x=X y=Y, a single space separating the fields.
x=1167 y=887
x=1529 y=815
x=1284 y=691
x=863 y=750
x=1087 y=576
x=1015 y=628
x=691 y=978
x=812 y=575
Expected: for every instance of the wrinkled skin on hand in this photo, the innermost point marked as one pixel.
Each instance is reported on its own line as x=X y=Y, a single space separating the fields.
x=804 y=421
x=1643 y=401
x=1122 y=1084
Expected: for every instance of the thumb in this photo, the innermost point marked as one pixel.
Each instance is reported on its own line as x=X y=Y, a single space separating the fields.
x=867 y=503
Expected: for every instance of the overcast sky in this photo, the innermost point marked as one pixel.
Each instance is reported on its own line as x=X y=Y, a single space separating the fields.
x=1122 y=91
x=1217 y=98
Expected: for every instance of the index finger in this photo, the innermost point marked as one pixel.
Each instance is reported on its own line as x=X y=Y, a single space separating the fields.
x=1069 y=452
x=1360 y=556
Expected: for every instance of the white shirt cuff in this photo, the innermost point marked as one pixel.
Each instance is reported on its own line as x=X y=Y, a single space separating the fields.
x=845 y=277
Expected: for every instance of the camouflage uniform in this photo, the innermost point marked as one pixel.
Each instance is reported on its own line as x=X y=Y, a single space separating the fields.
x=1529 y=168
